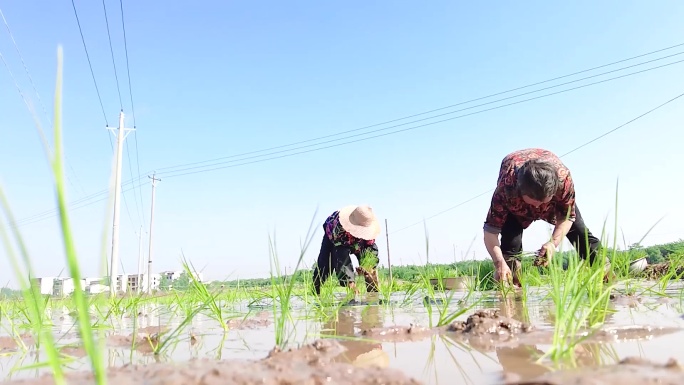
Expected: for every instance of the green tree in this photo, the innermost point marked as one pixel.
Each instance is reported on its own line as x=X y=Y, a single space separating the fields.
x=182 y=283
x=164 y=283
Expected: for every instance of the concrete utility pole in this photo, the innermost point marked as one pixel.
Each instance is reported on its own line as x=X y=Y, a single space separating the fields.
x=140 y=260
x=120 y=136
x=149 y=256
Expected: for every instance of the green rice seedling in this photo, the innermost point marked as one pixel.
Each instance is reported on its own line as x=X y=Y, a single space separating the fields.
x=572 y=307
x=12 y=330
x=282 y=287
x=32 y=297
x=446 y=316
x=386 y=287
x=578 y=295
x=199 y=292
x=159 y=344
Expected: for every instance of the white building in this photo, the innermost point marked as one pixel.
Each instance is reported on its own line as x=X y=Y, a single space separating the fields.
x=134 y=283
x=45 y=284
x=64 y=286
x=96 y=288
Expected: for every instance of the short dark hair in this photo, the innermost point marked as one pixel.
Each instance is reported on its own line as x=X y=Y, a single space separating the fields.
x=537 y=179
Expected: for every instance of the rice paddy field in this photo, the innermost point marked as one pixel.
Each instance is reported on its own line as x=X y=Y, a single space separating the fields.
x=564 y=325
x=563 y=321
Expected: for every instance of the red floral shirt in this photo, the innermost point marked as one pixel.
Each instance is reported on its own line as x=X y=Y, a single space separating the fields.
x=507 y=200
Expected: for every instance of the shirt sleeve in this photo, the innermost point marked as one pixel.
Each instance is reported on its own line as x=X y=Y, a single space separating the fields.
x=565 y=208
x=497 y=214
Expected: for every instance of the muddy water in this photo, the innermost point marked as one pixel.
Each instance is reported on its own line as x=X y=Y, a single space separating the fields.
x=497 y=342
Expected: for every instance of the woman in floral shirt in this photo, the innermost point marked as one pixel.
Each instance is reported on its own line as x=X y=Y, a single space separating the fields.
x=350 y=230
x=533 y=185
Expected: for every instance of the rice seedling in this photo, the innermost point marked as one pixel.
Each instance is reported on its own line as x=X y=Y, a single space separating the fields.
x=200 y=293
x=282 y=287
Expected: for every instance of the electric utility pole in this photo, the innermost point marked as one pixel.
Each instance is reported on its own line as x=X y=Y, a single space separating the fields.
x=149 y=256
x=141 y=274
x=120 y=136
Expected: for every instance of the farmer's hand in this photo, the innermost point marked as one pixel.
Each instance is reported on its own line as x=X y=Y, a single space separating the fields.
x=352 y=286
x=547 y=251
x=502 y=272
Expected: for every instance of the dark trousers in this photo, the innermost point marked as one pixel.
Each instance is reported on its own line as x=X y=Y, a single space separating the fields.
x=331 y=259
x=511 y=241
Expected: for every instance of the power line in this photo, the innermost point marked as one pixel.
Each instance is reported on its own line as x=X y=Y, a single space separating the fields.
x=104 y=114
x=130 y=92
x=128 y=66
x=439 y=109
x=173 y=173
x=560 y=156
x=47 y=212
x=72 y=207
x=111 y=49
x=118 y=90
x=35 y=90
x=465 y=102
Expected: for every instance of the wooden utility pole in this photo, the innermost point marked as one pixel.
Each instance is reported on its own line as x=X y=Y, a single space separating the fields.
x=389 y=262
x=120 y=136
x=149 y=256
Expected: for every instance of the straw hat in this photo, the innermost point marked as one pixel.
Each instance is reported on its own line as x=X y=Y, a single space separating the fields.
x=360 y=221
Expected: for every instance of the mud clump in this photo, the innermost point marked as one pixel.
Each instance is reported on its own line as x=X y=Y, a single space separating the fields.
x=629 y=371
x=489 y=321
x=309 y=365
x=483 y=329
x=486 y=329
x=10 y=344
x=248 y=323
x=629 y=299
x=399 y=333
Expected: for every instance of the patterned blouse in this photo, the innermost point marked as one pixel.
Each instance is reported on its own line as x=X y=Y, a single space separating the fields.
x=339 y=237
x=507 y=200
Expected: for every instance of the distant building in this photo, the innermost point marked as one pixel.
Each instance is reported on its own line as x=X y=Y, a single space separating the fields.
x=45 y=284
x=133 y=283
x=64 y=286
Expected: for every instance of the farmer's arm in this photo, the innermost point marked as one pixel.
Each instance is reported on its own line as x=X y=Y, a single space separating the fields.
x=496 y=217
x=565 y=212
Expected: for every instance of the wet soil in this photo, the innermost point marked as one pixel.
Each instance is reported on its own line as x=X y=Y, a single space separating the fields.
x=9 y=344
x=318 y=363
x=629 y=300
x=484 y=329
x=309 y=365
x=487 y=330
x=249 y=323
x=630 y=371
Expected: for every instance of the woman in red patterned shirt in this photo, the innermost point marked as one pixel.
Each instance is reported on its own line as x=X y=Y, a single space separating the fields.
x=533 y=184
x=350 y=230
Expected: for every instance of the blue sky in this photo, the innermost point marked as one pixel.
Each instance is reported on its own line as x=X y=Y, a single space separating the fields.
x=215 y=79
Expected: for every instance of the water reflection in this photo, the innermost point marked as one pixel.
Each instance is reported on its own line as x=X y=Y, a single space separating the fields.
x=343 y=328
x=523 y=360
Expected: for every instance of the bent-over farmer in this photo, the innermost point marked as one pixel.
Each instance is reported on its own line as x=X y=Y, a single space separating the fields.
x=533 y=184
x=350 y=230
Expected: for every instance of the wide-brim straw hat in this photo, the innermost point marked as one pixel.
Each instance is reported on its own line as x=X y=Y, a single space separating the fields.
x=360 y=221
